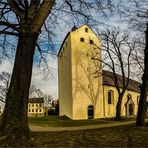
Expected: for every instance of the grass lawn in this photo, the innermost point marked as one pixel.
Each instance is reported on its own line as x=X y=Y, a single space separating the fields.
x=57 y=121
x=123 y=136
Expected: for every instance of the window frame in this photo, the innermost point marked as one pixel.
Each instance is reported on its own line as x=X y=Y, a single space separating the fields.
x=82 y=39
x=138 y=98
x=86 y=30
x=91 y=42
x=110 y=98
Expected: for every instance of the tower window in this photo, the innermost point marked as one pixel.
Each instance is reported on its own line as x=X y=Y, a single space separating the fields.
x=91 y=42
x=86 y=29
x=82 y=39
x=110 y=97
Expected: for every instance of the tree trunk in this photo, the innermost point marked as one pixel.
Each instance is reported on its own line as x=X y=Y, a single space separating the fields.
x=144 y=87
x=142 y=106
x=118 y=107
x=14 y=125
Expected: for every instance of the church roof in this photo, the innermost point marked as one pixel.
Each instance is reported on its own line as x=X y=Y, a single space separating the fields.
x=36 y=100
x=108 y=80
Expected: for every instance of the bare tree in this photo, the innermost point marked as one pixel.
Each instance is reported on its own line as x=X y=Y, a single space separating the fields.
x=4 y=85
x=138 y=57
x=35 y=92
x=136 y=13
x=117 y=49
x=24 y=22
x=48 y=100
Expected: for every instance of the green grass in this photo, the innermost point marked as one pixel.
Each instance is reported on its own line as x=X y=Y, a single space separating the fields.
x=57 y=121
x=63 y=121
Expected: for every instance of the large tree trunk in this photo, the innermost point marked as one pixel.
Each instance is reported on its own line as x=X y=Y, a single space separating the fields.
x=142 y=106
x=14 y=125
x=144 y=87
x=118 y=107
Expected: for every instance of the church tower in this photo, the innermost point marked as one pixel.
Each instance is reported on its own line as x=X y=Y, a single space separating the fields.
x=80 y=85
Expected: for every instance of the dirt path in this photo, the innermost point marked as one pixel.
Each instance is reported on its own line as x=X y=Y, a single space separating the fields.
x=47 y=128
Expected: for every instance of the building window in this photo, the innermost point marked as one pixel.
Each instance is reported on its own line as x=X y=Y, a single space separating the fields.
x=82 y=39
x=91 y=42
x=110 y=97
x=32 y=105
x=86 y=29
x=138 y=97
x=66 y=44
x=36 y=110
x=29 y=105
x=40 y=110
x=36 y=105
x=40 y=105
x=32 y=110
x=29 y=110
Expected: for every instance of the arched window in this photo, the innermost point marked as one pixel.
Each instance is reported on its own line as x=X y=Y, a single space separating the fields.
x=138 y=97
x=129 y=97
x=110 y=97
x=82 y=39
x=90 y=111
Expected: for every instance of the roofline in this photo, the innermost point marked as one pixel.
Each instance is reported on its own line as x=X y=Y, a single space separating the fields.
x=121 y=75
x=36 y=98
x=91 y=30
x=63 y=43
x=121 y=88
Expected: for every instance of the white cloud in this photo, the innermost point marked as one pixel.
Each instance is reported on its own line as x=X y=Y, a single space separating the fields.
x=47 y=84
x=6 y=66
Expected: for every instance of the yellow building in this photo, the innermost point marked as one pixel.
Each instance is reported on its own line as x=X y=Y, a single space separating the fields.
x=82 y=94
x=36 y=107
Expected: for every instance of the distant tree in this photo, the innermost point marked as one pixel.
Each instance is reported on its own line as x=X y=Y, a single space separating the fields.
x=48 y=100
x=35 y=92
x=55 y=104
x=117 y=48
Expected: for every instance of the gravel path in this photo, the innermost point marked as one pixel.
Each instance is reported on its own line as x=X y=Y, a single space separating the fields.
x=46 y=128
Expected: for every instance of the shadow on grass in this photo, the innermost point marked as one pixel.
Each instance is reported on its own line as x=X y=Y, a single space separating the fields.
x=123 y=136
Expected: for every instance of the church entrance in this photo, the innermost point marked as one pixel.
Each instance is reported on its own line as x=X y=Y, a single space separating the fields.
x=90 y=112
x=129 y=107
